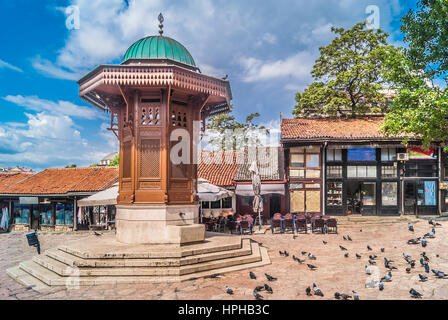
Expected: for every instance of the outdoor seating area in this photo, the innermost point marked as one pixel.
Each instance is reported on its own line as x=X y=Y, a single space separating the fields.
x=299 y=223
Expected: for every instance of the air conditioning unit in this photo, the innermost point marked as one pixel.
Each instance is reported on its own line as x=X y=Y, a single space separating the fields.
x=402 y=156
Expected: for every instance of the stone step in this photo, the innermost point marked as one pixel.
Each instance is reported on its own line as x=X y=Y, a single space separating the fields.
x=259 y=257
x=67 y=270
x=27 y=280
x=117 y=250
x=73 y=260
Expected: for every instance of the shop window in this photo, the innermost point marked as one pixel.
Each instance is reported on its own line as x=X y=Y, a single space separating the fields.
x=388 y=171
x=334 y=171
x=389 y=154
x=305 y=165
x=312 y=201
x=246 y=201
x=334 y=193
x=205 y=205
x=369 y=193
x=389 y=193
x=296 y=186
x=421 y=169
x=64 y=214
x=215 y=204
x=297 y=201
x=22 y=214
x=46 y=216
x=227 y=203
x=361 y=172
x=334 y=155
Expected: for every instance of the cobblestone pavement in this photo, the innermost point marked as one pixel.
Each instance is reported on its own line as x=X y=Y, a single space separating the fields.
x=335 y=272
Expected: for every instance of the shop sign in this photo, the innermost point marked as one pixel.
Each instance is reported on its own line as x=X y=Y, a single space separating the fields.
x=29 y=200
x=420 y=153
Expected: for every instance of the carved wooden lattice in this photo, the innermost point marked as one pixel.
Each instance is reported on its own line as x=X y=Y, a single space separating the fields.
x=150 y=116
x=127 y=159
x=178 y=118
x=150 y=158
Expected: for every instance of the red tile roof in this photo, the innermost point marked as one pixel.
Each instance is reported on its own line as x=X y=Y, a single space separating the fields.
x=61 y=181
x=332 y=128
x=219 y=174
x=9 y=179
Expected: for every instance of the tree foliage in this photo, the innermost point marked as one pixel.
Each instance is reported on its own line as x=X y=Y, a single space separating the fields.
x=229 y=134
x=115 y=162
x=419 y=108
x=347 y=77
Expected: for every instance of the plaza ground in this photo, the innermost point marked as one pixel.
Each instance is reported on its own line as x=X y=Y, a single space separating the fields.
x=334 y=273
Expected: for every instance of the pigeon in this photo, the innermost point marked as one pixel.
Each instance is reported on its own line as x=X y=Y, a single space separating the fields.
x=259 y=288
x=434 y=223
x=345 y=296
x=426 y=268
x=343 y=237
x=424 y=242
x=286 y=254
x=415 y=294
x=311 y=257
x=430 y=234
x=295 y=258
x=412 y=263
x=342 y=248
x=257 y=295
x=368 y=248
x=387 y=277
x=422 y=262
x=337 y=295
x=317 y=291
x=269 y=277
x=300 y=261
x=346 y=255
x=408 y=270
x=387 y=260
x=358 y=256
x=324 y=242
x=382 y=249
x=355 y=295
x=414 y=241
x=422 y=277
x=308 y=291
x=96 y=233
x=410 y=227
x=228 y=290
x=360 y=230
x=406 y=256
x=388 y=266
x=268 y=289
x=311 y=266
x=372 y=262
x=423 y=254
x=368 y=270
x=440 y=274
x=349 y=239
x=304 y=253
x=252 y=275
x=281 y=253
x=373 y=257
x=381 y=286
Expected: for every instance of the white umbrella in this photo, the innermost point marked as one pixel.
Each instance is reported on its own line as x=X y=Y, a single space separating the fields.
x=257 y=205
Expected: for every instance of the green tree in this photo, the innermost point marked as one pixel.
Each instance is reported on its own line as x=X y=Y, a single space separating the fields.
x=426 y=32
x=419 y=108
x=230 y=134
x=71 y=166
x=347 y=77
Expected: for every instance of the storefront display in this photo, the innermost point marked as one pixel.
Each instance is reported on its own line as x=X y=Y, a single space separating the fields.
x=389 y=196
x=334 y=193
x=46 y=215
x=22 y=214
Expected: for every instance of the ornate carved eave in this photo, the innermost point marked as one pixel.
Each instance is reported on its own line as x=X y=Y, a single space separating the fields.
x=143 y=76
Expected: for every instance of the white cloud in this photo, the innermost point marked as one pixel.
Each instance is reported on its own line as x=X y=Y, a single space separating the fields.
x=59 y=108
x=296 y=67
x=6 y=65
x=51 y=70
x=267 y=38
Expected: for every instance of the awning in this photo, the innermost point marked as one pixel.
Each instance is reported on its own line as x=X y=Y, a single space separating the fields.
x=210 y=192
x=266 y=188
x=102 y=198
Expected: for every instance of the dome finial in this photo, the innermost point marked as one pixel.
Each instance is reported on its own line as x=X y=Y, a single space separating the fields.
x=161 y=23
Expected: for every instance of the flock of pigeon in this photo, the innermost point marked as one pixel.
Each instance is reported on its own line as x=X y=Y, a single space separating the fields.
x=314 y=290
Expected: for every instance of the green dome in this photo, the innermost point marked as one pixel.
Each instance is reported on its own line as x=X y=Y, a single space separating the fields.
x=159 y=47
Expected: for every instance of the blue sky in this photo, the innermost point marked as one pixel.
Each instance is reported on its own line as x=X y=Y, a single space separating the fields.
x=266 y=47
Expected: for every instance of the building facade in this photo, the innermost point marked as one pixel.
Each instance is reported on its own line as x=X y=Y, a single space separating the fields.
x=346 y=166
